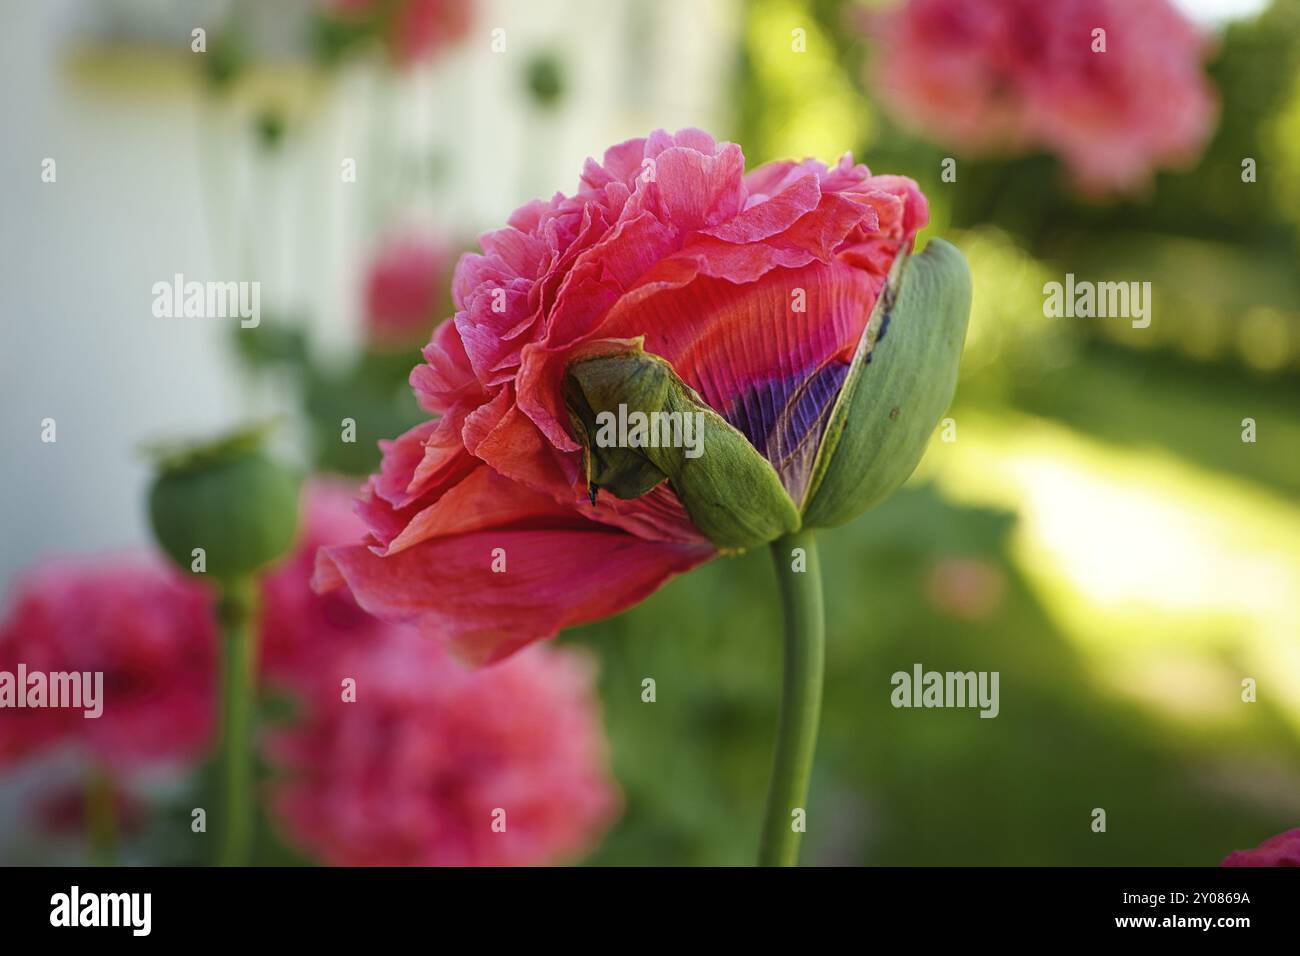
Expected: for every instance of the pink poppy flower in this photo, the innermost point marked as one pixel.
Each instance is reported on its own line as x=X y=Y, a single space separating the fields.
x=755 y=289
x=405 y=288
x=151 y=632
x=404 y=775
x=151 y=635
x=1016 y=75
x=434 y=765
x=1281 y=850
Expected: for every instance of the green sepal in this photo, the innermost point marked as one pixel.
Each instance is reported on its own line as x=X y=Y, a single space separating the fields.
x=731 y=492
x=901 y=382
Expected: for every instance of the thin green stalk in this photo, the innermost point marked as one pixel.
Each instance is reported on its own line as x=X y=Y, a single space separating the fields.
x=236 y=612
x=801 y=697
x=101 y=817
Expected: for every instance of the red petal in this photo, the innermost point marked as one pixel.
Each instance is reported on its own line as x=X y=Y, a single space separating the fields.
x=561 y=570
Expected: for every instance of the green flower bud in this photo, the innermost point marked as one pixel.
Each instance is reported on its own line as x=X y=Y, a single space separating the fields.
x=901 y=382
x=732 y=494
x=227 y=498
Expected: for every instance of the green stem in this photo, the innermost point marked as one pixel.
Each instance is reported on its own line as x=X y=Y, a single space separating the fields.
x=101 y=817
x=801 y=697
x=236 y=611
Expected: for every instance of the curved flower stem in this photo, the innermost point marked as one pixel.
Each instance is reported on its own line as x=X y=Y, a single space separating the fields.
x=801 y=697
x=235 y=611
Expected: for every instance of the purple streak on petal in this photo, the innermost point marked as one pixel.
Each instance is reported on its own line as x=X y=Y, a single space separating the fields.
x=784 y=419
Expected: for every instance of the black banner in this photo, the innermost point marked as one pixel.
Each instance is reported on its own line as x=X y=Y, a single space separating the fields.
x=304 y=905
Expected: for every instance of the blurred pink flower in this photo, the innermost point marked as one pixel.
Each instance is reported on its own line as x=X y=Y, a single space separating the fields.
x=405 y=287
x=1281 y=850
x=411 y=772
x=299 y=629
x=148 y=631
x=151 y=631
x=667 y=241
x=1017 y=75
x=418 y=768
x=412 y=29
x=966 y=587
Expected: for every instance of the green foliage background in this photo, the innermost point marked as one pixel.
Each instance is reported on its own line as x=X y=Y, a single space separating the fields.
x=1181 y=784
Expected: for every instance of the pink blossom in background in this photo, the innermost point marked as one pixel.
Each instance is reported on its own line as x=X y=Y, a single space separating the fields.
x=997 y=76
x=969 y=588
x=1281 y=850
x=152 y=633
x=408 y=774
x=412 y=772
x=667 y=240
x=406 y=289
x=300 y=631
x=147 y=629
x=412 y=29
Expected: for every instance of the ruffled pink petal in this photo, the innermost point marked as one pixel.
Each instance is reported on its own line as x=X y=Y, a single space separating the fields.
x=700 y=190
x=423 y=461
x=446 y=378
x=484 y=499
x=605 y=272
x=501 y=435
x=796 y=195
x=561 y=570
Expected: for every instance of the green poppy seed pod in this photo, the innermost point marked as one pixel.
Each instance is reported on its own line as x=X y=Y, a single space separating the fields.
x=224 y=508
x=900 y=383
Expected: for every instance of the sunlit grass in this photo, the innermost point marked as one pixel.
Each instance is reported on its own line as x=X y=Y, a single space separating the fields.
x=1176 y=583
x=810 y=107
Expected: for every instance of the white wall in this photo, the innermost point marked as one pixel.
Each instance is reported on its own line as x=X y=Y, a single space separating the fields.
x=133 y=205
